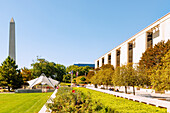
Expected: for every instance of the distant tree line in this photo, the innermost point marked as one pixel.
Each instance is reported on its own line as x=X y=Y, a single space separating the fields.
x=13 y=78
x=77 y=72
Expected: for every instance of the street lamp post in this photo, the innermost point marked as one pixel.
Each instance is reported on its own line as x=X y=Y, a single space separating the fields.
x=71 y=77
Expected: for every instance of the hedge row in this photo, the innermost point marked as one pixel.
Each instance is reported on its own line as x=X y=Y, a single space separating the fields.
x=65 y=84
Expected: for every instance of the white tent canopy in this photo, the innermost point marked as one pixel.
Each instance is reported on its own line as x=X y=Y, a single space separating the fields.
x=43 y=80
x=54 y=82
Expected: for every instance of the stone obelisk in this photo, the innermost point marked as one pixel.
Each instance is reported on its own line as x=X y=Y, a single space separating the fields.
x=12 y=39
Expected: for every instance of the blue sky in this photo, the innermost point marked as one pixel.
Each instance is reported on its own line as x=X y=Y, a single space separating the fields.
x=73 y=31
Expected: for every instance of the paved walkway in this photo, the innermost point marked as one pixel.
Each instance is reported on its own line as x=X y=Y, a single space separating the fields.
x=44 y=109
x=149 y=93
x=150 y=101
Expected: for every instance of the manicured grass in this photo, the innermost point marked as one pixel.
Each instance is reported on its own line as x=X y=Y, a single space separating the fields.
x=23 y=102
x=121 y=105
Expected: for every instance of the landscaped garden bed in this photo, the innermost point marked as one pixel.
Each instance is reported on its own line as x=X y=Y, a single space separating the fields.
x=71 y=101
x=81 y=100
x=23 y=102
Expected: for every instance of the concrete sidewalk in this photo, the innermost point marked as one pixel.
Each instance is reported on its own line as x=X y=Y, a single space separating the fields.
x=44 y=108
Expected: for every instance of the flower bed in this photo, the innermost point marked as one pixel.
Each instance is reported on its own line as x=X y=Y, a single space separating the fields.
x=68 y=100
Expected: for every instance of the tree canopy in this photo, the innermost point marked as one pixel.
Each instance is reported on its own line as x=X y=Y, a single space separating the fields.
x=125 y=76
x=151 y=62
x=104 y=75
x=160 y=77
x=67 y=78
x=77 y=70
x=82 y=70
x=50 y=69
x=26 y=75
x=90 y=75
x=152 y=56
x=10 y=74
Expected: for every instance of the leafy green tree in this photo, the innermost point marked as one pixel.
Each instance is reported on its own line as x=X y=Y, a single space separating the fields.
x=67 y=78
x=26 y=75
x=143 y=75
x=97 y=69
x=73 y=68
x=60 y=71
x=160 y=77
x=115 y=77
x=82 y=70
x=83 y=79
x=74 y=80
x=152 y=56
x=125 y=76
x=43 y=66
x=149 y=61
x=50 y=69
x=107 y=66
x=104 y=76
x=90 y=75
x=80 y=80
x=95 y=80
x=9 y=74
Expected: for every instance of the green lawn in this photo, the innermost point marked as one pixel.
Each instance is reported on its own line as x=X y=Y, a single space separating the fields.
x=23 y=102
x=121 y=105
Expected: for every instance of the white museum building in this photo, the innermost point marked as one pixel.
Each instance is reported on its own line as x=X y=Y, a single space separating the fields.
x=131 y=50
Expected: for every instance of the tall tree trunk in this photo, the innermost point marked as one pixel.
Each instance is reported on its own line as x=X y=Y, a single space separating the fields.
x=126 y=89
x=133 y=90
x=8 y=88
x=95 y=85
x=114 y=87
x=106 y=86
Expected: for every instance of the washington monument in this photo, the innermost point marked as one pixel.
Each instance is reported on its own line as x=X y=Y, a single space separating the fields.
x=12 y=39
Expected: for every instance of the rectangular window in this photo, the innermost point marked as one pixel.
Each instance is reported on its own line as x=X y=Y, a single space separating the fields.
x=109 y=58
x=117 y=58
x=102 y=61
x=97 y=63
x=130 y=52
x=149 y=40
x=156 y=34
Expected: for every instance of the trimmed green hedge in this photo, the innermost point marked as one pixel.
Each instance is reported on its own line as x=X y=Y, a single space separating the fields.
x=65 y=84
x=121 y=105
